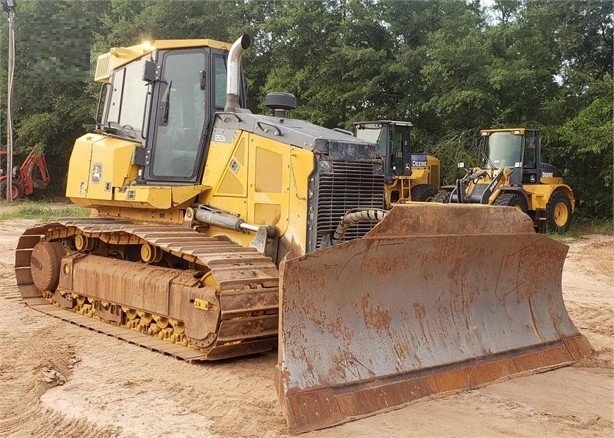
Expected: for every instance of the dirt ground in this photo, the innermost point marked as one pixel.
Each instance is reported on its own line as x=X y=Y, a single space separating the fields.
x=57 y=379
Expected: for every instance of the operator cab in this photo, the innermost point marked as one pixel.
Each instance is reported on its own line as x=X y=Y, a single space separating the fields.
x=394 y=140
x=514 y=149
x=166 y=100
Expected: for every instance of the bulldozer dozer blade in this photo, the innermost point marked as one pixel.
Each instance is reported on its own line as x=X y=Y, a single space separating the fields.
x=434 y=299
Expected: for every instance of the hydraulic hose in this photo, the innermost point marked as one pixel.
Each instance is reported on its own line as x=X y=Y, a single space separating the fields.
x=353 y=217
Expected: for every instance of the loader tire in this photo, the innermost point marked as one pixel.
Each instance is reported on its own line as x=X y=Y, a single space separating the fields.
x=512 y=200
x=423 y=193
x=17 y=190
x=558 y=212
x=442 y=196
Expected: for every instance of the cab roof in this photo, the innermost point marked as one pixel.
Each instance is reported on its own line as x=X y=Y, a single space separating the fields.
x=118 y=56
x=519 y=131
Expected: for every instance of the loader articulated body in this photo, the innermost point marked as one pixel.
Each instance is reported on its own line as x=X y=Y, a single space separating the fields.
x=512 y=173
x=215 y=233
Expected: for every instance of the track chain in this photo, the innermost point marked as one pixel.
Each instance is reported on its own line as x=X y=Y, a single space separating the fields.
x=247 y=283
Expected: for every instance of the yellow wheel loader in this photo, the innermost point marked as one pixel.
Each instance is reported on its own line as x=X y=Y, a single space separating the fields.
x=218 y=233
x=408 y=176
x=513 y=174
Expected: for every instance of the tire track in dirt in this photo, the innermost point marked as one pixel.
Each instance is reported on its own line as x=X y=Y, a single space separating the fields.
x=9 y=291
x=27 y=373
x=598 y=320
x=590 y=426
x=597 y=324
x=234 y=398
x=121 y=390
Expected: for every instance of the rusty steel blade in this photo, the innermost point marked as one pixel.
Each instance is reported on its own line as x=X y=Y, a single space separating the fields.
x=436 y=298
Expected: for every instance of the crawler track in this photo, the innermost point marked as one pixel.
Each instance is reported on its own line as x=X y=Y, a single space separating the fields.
x=242 y=282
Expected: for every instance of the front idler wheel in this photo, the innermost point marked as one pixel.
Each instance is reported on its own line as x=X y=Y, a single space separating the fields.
x=45 y=265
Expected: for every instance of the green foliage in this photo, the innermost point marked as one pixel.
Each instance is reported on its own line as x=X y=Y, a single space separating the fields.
x=38 y=130
x=450 y=67
x=589 y=146
x=583 y=226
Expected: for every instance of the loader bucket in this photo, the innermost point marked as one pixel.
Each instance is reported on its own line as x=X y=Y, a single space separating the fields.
x=436 y=298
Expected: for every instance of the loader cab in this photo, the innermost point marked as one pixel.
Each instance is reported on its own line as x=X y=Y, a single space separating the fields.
x=515 y=149
x=167 y=100
x=394 y=140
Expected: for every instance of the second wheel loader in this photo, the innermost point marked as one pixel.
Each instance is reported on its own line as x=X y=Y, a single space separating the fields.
x=219 y=233
x=512 y=173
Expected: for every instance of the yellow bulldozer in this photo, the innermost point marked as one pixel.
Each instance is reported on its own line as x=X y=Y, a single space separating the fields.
x=408 y=176
x=217 y=233
x=512 y=173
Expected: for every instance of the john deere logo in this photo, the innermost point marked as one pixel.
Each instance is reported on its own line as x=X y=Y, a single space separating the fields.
x=96 y=173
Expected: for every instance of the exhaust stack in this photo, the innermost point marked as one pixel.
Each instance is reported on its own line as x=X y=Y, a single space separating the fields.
x=233 y=78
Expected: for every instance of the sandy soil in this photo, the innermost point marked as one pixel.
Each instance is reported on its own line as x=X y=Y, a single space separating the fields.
x=57 y=379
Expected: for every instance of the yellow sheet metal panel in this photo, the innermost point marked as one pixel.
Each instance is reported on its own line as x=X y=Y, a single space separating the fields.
x=110 y=166
x=80 y=202
x=141 y=213
x=101 y=174
x=226 y=172
x=182 y=194
x=234 y=179
x=119 y=56
x=275 y=177
x=269 y=170
x=434 y=171
x=550 y=179
x=301 y=167
x=539 y=194
x=222 y=149
x=157 y=197
x=268 y=163
x=98 y=164
x=230 y=185
x=79 y=166
x=420 y=175
x=266 y=213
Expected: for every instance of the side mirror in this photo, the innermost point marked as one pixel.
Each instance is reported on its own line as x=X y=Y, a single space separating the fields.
x=150 y=72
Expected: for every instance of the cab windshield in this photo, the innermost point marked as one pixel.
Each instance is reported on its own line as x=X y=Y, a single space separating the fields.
x=126 y=99
x=503 y=149
x=371 y=133
x=181 y=116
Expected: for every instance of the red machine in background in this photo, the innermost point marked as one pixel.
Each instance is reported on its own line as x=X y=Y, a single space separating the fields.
x=32 y=174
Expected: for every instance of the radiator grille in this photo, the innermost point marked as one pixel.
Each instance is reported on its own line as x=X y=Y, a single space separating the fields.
x=350 y=185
